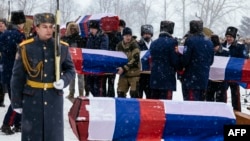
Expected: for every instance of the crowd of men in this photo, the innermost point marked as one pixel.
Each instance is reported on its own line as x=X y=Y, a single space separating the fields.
x=31 y=62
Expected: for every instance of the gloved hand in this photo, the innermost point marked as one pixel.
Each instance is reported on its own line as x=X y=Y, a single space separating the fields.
x=18 y=110
x=59 y=84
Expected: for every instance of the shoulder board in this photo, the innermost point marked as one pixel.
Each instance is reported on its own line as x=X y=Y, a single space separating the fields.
x=64 y=43
x=26 y=42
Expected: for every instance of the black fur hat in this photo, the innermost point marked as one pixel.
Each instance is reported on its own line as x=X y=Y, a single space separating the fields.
x=94 y=24
x=17 y=17
x=122 y=23
x=127 y=31
x=215 y=39
x=44 y=18
x=167 y=26
x=196 y=26
x=147 y=28
x=232 y=31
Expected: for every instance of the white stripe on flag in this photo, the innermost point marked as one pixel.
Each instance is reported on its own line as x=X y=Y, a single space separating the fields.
x=102 y=117
x=199 y=108
x=217 y=70
x=117 y=54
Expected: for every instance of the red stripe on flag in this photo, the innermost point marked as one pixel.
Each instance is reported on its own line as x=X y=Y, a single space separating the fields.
x=76 y=55
x=152 y=120
x=246 y=71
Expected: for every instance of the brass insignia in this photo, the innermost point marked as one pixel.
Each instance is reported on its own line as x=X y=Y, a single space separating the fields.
x=47 y=16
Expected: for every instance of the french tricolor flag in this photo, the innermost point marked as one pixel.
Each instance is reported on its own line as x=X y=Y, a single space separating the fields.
x=154 y=120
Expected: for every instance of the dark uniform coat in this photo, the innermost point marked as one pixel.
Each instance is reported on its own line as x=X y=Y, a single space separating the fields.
x=164 y=62
x=42 y=118
x=198 y=55
x=8 y=48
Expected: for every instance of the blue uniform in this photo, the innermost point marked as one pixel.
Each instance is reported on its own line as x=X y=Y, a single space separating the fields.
x=197 y=58
x=8 y=48
x=164 y=63
x=33 y=91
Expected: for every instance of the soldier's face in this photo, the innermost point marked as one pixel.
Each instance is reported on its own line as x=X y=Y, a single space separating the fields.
x=2 y=27
x=45 y=31
x=127 y=38
x=230 y=39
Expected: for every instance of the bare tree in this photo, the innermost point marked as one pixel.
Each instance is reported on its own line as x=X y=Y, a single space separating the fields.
x=4 y=8
x=211 y=11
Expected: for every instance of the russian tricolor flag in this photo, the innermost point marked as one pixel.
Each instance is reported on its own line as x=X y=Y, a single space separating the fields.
x=230 y=69
x=97 y=61
x=154 y=120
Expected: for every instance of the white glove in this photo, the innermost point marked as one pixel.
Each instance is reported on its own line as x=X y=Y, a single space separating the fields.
x=59 y=84
x=18 y=110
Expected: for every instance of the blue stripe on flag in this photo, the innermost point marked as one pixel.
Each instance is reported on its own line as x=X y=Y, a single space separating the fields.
x=127 y=119
x=192 y=127
x=234 y=69
x=96 y=63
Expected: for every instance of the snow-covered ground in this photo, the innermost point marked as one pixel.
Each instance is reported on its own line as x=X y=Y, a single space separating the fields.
x=68 y=133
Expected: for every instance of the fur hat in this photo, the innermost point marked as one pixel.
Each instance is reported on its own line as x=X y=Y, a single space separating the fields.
x=196 y=26
x=231 y=31
x=127 y=31
x=17 y=17
x=3 y=20
x=147 y=29
x=167 y=26
x=122 y=23
x=44 y=18
x=215 y=39
x=71 y=25
x=94 y=24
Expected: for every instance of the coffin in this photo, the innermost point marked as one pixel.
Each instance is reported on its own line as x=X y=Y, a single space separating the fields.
x=143 y=119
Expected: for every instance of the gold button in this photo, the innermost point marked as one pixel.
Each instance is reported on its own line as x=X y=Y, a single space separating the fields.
x=44 y=89
x=44 y=48
x=45 y=75
x=45 y=103
x=46 y=60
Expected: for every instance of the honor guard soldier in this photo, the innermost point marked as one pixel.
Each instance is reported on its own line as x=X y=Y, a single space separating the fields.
x=36 y=93
x=164 y=63
x=8 y=48
x=197 y=58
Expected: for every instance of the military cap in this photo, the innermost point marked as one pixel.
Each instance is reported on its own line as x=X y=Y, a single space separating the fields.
x=44 y=18
x=127 y=31
x=196 y=26
x=147 y=29
x=94 y=24
x=17 y=17
x=232 y=31
x=122 y=23
x=167 y=26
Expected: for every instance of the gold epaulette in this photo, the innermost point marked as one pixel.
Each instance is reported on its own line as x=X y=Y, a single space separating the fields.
x=26 y=42
x=64 y=43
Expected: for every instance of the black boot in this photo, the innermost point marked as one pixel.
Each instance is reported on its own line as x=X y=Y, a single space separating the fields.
x=1 y=96
x=17 y=129
x=7 y=129
x=134 y=94
x=121 y=94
